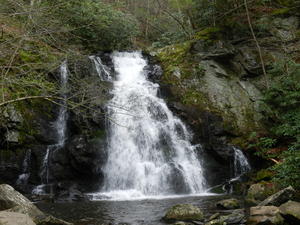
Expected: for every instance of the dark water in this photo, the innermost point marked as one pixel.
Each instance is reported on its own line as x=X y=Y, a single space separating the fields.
x=142 y=212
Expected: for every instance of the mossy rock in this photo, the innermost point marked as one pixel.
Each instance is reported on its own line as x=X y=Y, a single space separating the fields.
x=209 y=33
x=260 y=191
x=228 y=204
x=264 y=175
x=183 y=212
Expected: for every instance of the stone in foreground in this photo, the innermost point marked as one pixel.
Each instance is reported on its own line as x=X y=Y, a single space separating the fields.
x=12 y=218
x=13 y=201
x=280 y=197
x=291 y=212
x=183 y=212
x=228 y=204
x=260 y=215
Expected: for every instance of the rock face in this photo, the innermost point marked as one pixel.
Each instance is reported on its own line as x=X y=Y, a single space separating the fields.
x=28 y=127
x=228 y=204
x=183 y=212
x=279 y=198
x=265 y=215
x=216 y=86
x=12 y=218
x=291 y=212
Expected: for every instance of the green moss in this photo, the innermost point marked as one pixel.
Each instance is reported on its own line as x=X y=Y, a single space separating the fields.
x=209 y=33
x=280 y=12
x=173 y=58
x=193 y=97
x=263 y=175
x=28 y=57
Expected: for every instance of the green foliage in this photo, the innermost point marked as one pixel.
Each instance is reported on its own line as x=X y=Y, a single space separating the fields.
x=288 y=172
x=283 y=98
x=94 y=24
x=168 y=38
x=262 y=145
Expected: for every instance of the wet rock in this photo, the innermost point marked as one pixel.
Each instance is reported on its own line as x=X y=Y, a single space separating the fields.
x=72 y=194
x=279 y=198
x=154 y=72
x=183 y=212
x=86 y=155
x=265 y=215
x=228 y=204
x=291 y=212
x=12 y=218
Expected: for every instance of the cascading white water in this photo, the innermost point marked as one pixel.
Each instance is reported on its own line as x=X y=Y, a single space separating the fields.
x=241 y=164
x=101 y=69
x=60 y=126
x=23 y=178
x=149 y=149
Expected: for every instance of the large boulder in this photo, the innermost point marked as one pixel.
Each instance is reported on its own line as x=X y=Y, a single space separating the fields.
x=228 y=204
x=291 y=212
x=183 y=212
x=259 y=192
x=12 y=218
x=260 y=215
x=13 y=201
x=280 y=197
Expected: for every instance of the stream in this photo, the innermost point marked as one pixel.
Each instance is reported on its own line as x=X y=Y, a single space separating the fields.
x=142 y=212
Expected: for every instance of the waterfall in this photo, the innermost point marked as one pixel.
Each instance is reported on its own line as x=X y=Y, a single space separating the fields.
x=101 y=69
x=149 y=149
x=60 y=126
x=23 y=178
x=240 y=163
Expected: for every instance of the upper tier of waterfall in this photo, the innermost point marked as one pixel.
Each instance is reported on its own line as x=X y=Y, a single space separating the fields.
x=149 y=149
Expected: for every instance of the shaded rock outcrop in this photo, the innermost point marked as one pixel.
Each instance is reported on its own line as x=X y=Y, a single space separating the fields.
x=216 y=84
x=28 y=127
